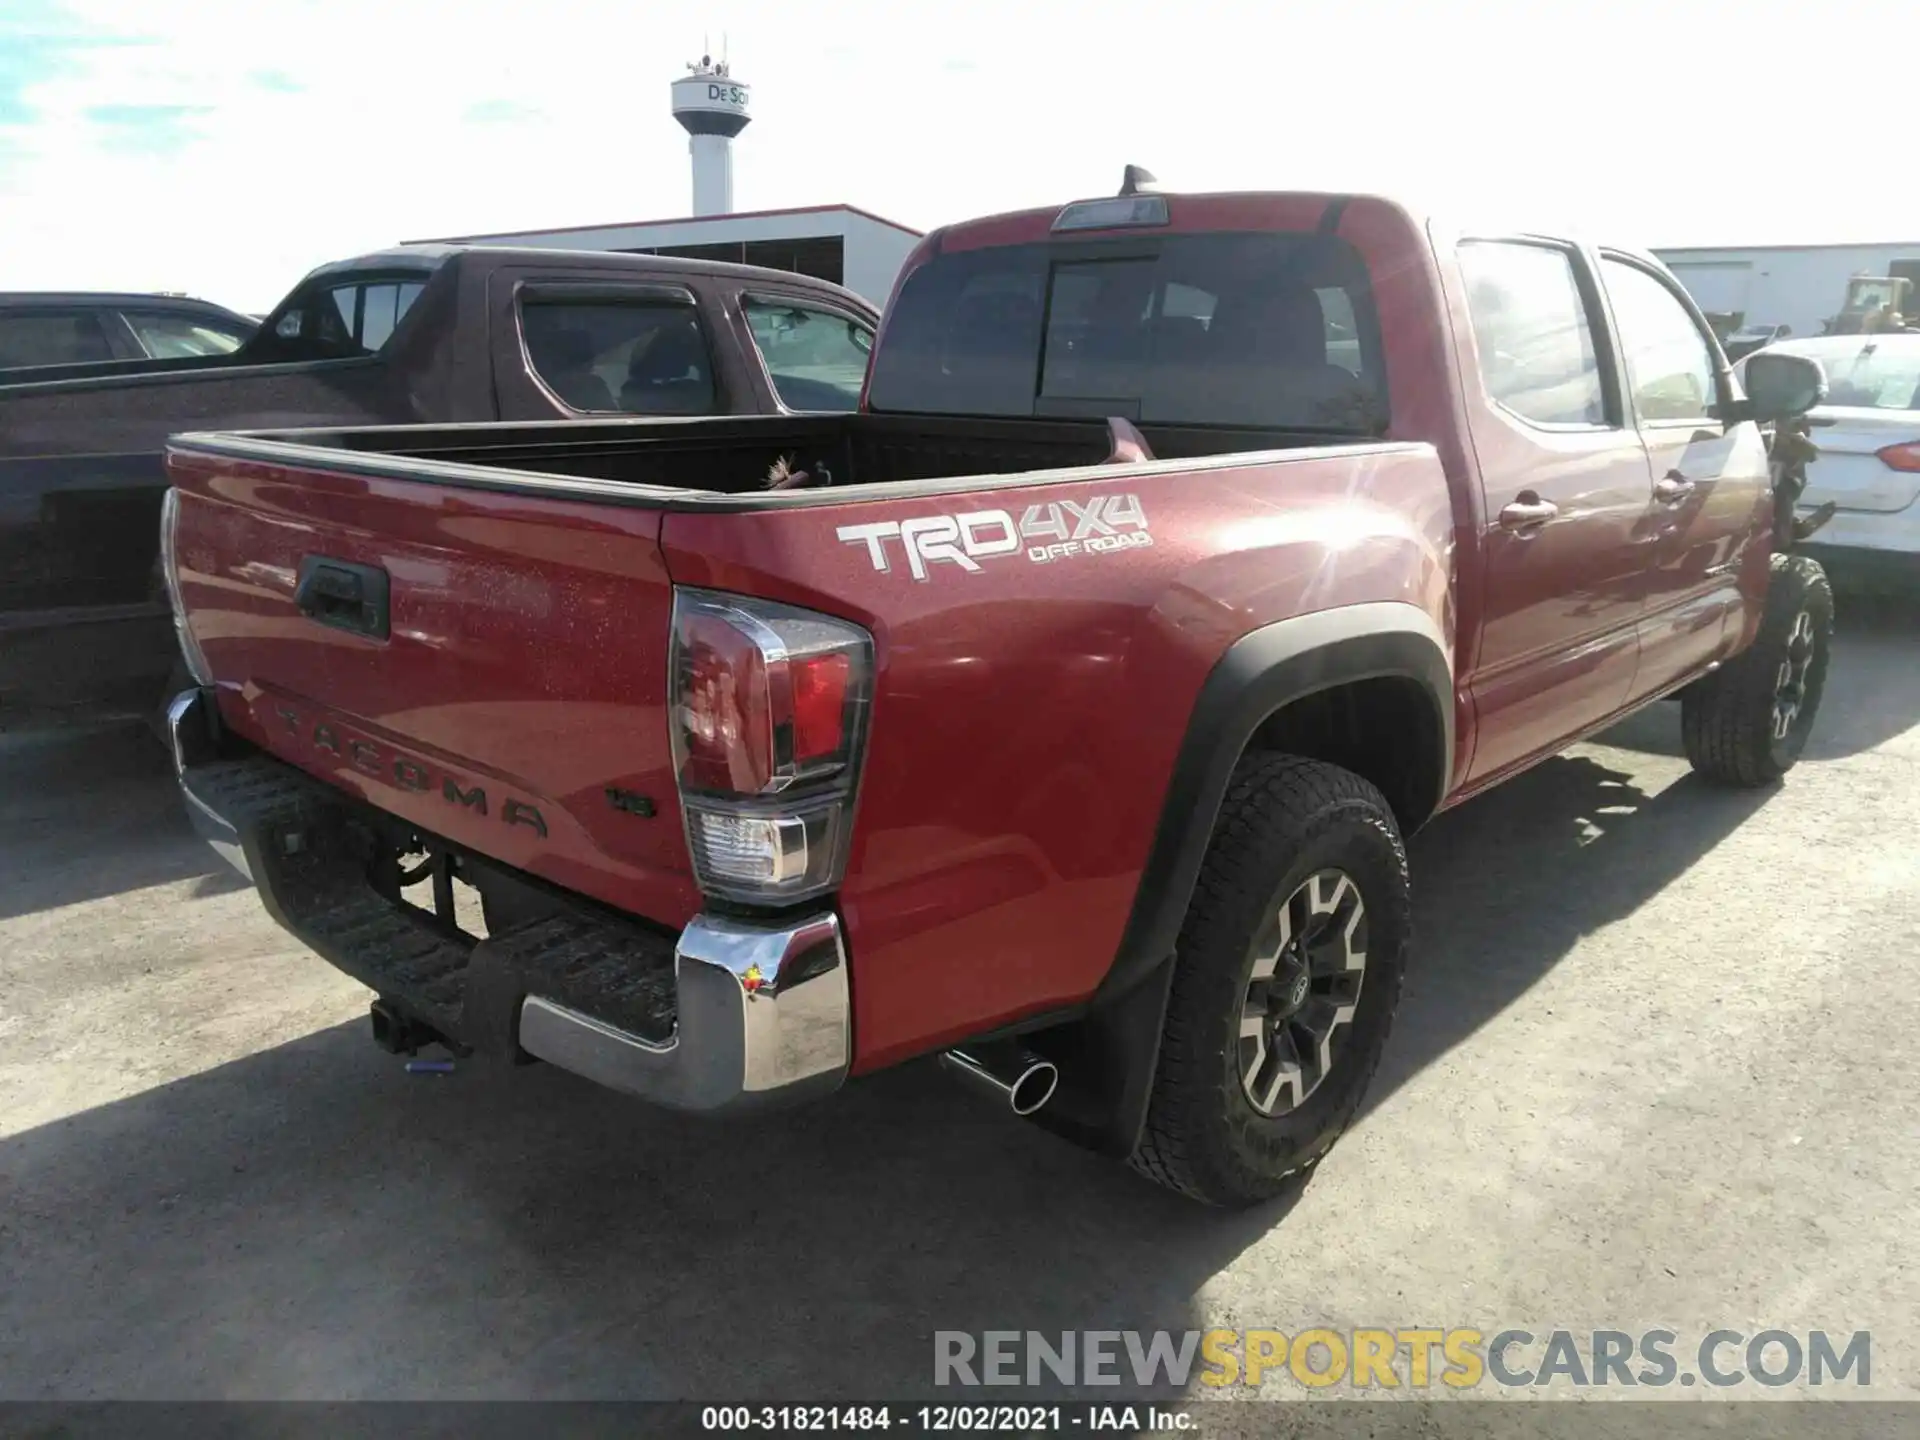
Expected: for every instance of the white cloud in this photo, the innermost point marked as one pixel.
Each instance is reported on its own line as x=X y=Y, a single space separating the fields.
x=313 y=131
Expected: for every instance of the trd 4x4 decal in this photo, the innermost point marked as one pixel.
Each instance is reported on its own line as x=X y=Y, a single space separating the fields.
x=1056 y=531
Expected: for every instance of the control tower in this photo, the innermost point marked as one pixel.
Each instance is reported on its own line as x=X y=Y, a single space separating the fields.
x=712 y=105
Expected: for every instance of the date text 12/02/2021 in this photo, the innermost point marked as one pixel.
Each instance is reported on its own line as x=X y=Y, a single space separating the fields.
x=945 y=1419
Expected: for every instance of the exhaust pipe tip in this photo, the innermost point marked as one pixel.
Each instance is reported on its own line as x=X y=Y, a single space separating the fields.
x=1034 y=1088
x=1012 y=1073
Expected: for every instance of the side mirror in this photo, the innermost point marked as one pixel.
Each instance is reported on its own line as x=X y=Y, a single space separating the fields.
x=1780 y=387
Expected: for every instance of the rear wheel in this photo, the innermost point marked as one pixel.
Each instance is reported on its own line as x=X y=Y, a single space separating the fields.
x=1286 y=978
x=1746 y=724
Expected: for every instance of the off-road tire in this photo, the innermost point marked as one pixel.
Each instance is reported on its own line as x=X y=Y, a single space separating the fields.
x=1284 y=819
x=1727 y=719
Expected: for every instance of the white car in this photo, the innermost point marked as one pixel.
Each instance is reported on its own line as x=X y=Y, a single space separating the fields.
x=1869 y=465
x=1749 y=338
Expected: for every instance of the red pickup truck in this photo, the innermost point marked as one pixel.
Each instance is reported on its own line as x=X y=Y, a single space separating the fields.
x=1062 y=710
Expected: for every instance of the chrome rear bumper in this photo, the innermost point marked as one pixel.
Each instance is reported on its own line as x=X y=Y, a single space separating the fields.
x=760 y=1013
x=763 y=1014
x=193 y=731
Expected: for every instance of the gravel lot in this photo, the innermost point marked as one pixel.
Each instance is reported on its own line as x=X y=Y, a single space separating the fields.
x=1654 y=1068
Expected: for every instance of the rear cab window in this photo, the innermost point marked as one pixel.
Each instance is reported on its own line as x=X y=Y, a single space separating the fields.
x=339 y=318
x=1249 y=329
x=816 y=358
x=644 y=354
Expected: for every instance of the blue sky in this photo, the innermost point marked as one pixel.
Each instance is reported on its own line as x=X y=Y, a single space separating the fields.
x=223 y=147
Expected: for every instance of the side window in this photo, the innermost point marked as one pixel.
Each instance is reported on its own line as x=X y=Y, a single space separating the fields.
x=1669 y=362
x=817 y=359
x=1343 y=332
x=52 y=337
x=167 y=336
x=636 y=357
x=1532 y=332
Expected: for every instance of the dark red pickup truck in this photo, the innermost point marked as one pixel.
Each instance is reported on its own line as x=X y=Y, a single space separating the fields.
x=1064 y=709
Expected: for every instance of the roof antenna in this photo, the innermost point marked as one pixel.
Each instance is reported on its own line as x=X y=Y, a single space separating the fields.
x=1138 y=180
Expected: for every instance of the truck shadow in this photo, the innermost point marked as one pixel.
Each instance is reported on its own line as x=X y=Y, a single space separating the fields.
x=98 y=812
x=310 y=1220
x=1506 y=885
x=1872 y=696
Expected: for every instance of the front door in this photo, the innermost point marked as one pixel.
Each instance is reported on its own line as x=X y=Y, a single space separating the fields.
x=1564 y=480
x=1710 y=505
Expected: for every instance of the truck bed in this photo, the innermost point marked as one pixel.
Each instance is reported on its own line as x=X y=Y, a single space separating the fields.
x=672 y=463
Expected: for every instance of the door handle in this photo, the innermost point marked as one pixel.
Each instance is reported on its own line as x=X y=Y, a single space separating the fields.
x=343 y=595
x=1672 y=487
x=1528 y=512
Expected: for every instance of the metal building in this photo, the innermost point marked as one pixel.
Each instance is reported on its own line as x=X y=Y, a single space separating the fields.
x=1799 y=285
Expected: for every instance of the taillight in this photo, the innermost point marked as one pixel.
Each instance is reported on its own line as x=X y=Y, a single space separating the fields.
x=769 y=707
x=170 y=569
x=1901 y=457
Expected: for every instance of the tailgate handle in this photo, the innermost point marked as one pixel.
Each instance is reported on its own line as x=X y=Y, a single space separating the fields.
x=343 y=595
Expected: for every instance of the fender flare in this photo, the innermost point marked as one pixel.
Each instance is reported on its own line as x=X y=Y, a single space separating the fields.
x=1258 y=675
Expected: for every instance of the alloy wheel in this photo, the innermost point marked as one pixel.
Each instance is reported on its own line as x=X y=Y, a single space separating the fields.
x=1308 y=965
x=1790 y=684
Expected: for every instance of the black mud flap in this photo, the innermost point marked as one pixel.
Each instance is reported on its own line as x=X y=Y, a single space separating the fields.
x=1106 y=1060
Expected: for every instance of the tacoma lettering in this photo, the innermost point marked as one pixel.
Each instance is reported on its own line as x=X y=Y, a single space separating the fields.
x=409 y=774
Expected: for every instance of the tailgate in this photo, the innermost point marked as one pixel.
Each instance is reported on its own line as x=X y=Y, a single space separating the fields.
x=490 y=667
x=1849 y=471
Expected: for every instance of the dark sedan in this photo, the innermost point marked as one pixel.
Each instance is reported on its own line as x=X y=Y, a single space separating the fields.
x=66 y=328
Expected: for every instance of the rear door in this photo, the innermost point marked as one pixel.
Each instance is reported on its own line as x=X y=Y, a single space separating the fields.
x=1565 y=486
x=1709 y=503
x=582 y=343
